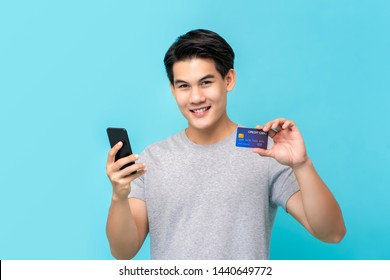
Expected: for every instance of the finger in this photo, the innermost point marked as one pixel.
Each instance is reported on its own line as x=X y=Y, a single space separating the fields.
x=113 y=151
x=288 y=124
x=263 y=152
x=134 y=176
x=278 y=124
x=274 y=124
x=118 y=165
x=132 y=168
x=271 y=132
x=123 y=161
x=267 y=126
x=281 y=125
x=259 y=126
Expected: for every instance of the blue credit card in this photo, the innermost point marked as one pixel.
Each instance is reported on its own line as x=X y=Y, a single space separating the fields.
x=251 y=138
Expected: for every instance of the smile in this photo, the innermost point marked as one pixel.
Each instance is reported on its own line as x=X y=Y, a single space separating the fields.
x=200 y=111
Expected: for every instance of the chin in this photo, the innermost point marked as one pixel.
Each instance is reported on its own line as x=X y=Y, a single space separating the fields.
x=201 y=125
x=206 y=122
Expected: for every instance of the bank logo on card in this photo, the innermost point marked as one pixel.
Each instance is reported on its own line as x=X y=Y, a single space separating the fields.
x=251 y=138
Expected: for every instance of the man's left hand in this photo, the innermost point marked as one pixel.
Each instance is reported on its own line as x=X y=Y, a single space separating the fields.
x=289 y=147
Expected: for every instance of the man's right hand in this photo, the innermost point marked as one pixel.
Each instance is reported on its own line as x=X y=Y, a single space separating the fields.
x=121 y=179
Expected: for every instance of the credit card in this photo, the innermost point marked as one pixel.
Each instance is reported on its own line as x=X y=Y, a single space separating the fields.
x=251 y=138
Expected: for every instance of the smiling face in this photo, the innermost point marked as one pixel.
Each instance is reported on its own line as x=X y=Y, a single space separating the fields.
x=201 y=92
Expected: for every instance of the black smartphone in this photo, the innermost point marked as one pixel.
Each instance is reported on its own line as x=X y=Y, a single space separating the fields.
x=120 y=134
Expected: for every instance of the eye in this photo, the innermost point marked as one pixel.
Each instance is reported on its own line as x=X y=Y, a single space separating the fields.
x=183 y=86
x=205 y=83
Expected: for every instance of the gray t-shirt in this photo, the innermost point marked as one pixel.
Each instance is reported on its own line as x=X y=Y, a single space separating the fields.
x=211 y=201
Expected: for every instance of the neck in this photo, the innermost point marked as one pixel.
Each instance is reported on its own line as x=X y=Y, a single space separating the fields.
x=212 y=134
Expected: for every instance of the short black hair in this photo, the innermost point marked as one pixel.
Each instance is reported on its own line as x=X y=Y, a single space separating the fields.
x=200 y=43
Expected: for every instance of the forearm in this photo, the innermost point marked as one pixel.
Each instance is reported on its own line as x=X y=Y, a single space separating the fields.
x=322 y=211
x=122 y=230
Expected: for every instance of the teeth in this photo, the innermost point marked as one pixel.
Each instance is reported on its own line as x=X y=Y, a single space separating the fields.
x=200 y=110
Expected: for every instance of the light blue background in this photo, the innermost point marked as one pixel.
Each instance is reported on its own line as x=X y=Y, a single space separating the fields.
x=69 y=69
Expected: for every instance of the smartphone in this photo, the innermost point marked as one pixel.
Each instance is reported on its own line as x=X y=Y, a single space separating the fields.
x=120 y=134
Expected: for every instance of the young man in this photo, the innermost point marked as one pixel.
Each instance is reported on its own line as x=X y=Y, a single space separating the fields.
x=201 y=196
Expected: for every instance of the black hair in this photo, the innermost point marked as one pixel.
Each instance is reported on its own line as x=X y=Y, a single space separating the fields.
x=200 y=43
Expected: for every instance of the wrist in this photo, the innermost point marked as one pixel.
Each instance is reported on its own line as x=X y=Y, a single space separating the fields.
x=302 y=164
x=119 y=198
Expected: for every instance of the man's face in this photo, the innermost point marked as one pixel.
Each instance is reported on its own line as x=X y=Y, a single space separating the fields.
x=200 y=92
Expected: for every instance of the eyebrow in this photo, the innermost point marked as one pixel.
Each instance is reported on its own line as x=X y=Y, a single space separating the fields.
x=209 y=76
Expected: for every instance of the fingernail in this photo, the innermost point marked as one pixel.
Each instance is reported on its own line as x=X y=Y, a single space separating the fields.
x=136 y=156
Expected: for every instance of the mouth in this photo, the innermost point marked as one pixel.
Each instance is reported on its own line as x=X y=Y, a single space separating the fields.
x=200 y=112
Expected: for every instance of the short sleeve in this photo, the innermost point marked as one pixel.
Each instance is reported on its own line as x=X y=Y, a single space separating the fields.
x=282 y=183
x=138 y=188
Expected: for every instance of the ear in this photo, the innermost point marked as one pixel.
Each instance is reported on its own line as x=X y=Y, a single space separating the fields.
x=230 y=79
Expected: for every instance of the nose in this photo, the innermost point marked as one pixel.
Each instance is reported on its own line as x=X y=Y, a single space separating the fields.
x=197 y=96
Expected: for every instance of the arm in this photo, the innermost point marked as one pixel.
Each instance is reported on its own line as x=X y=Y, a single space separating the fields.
x=127 y=223
x=314 y=206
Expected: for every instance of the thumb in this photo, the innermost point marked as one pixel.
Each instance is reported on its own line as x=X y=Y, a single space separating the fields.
x=263 y=152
